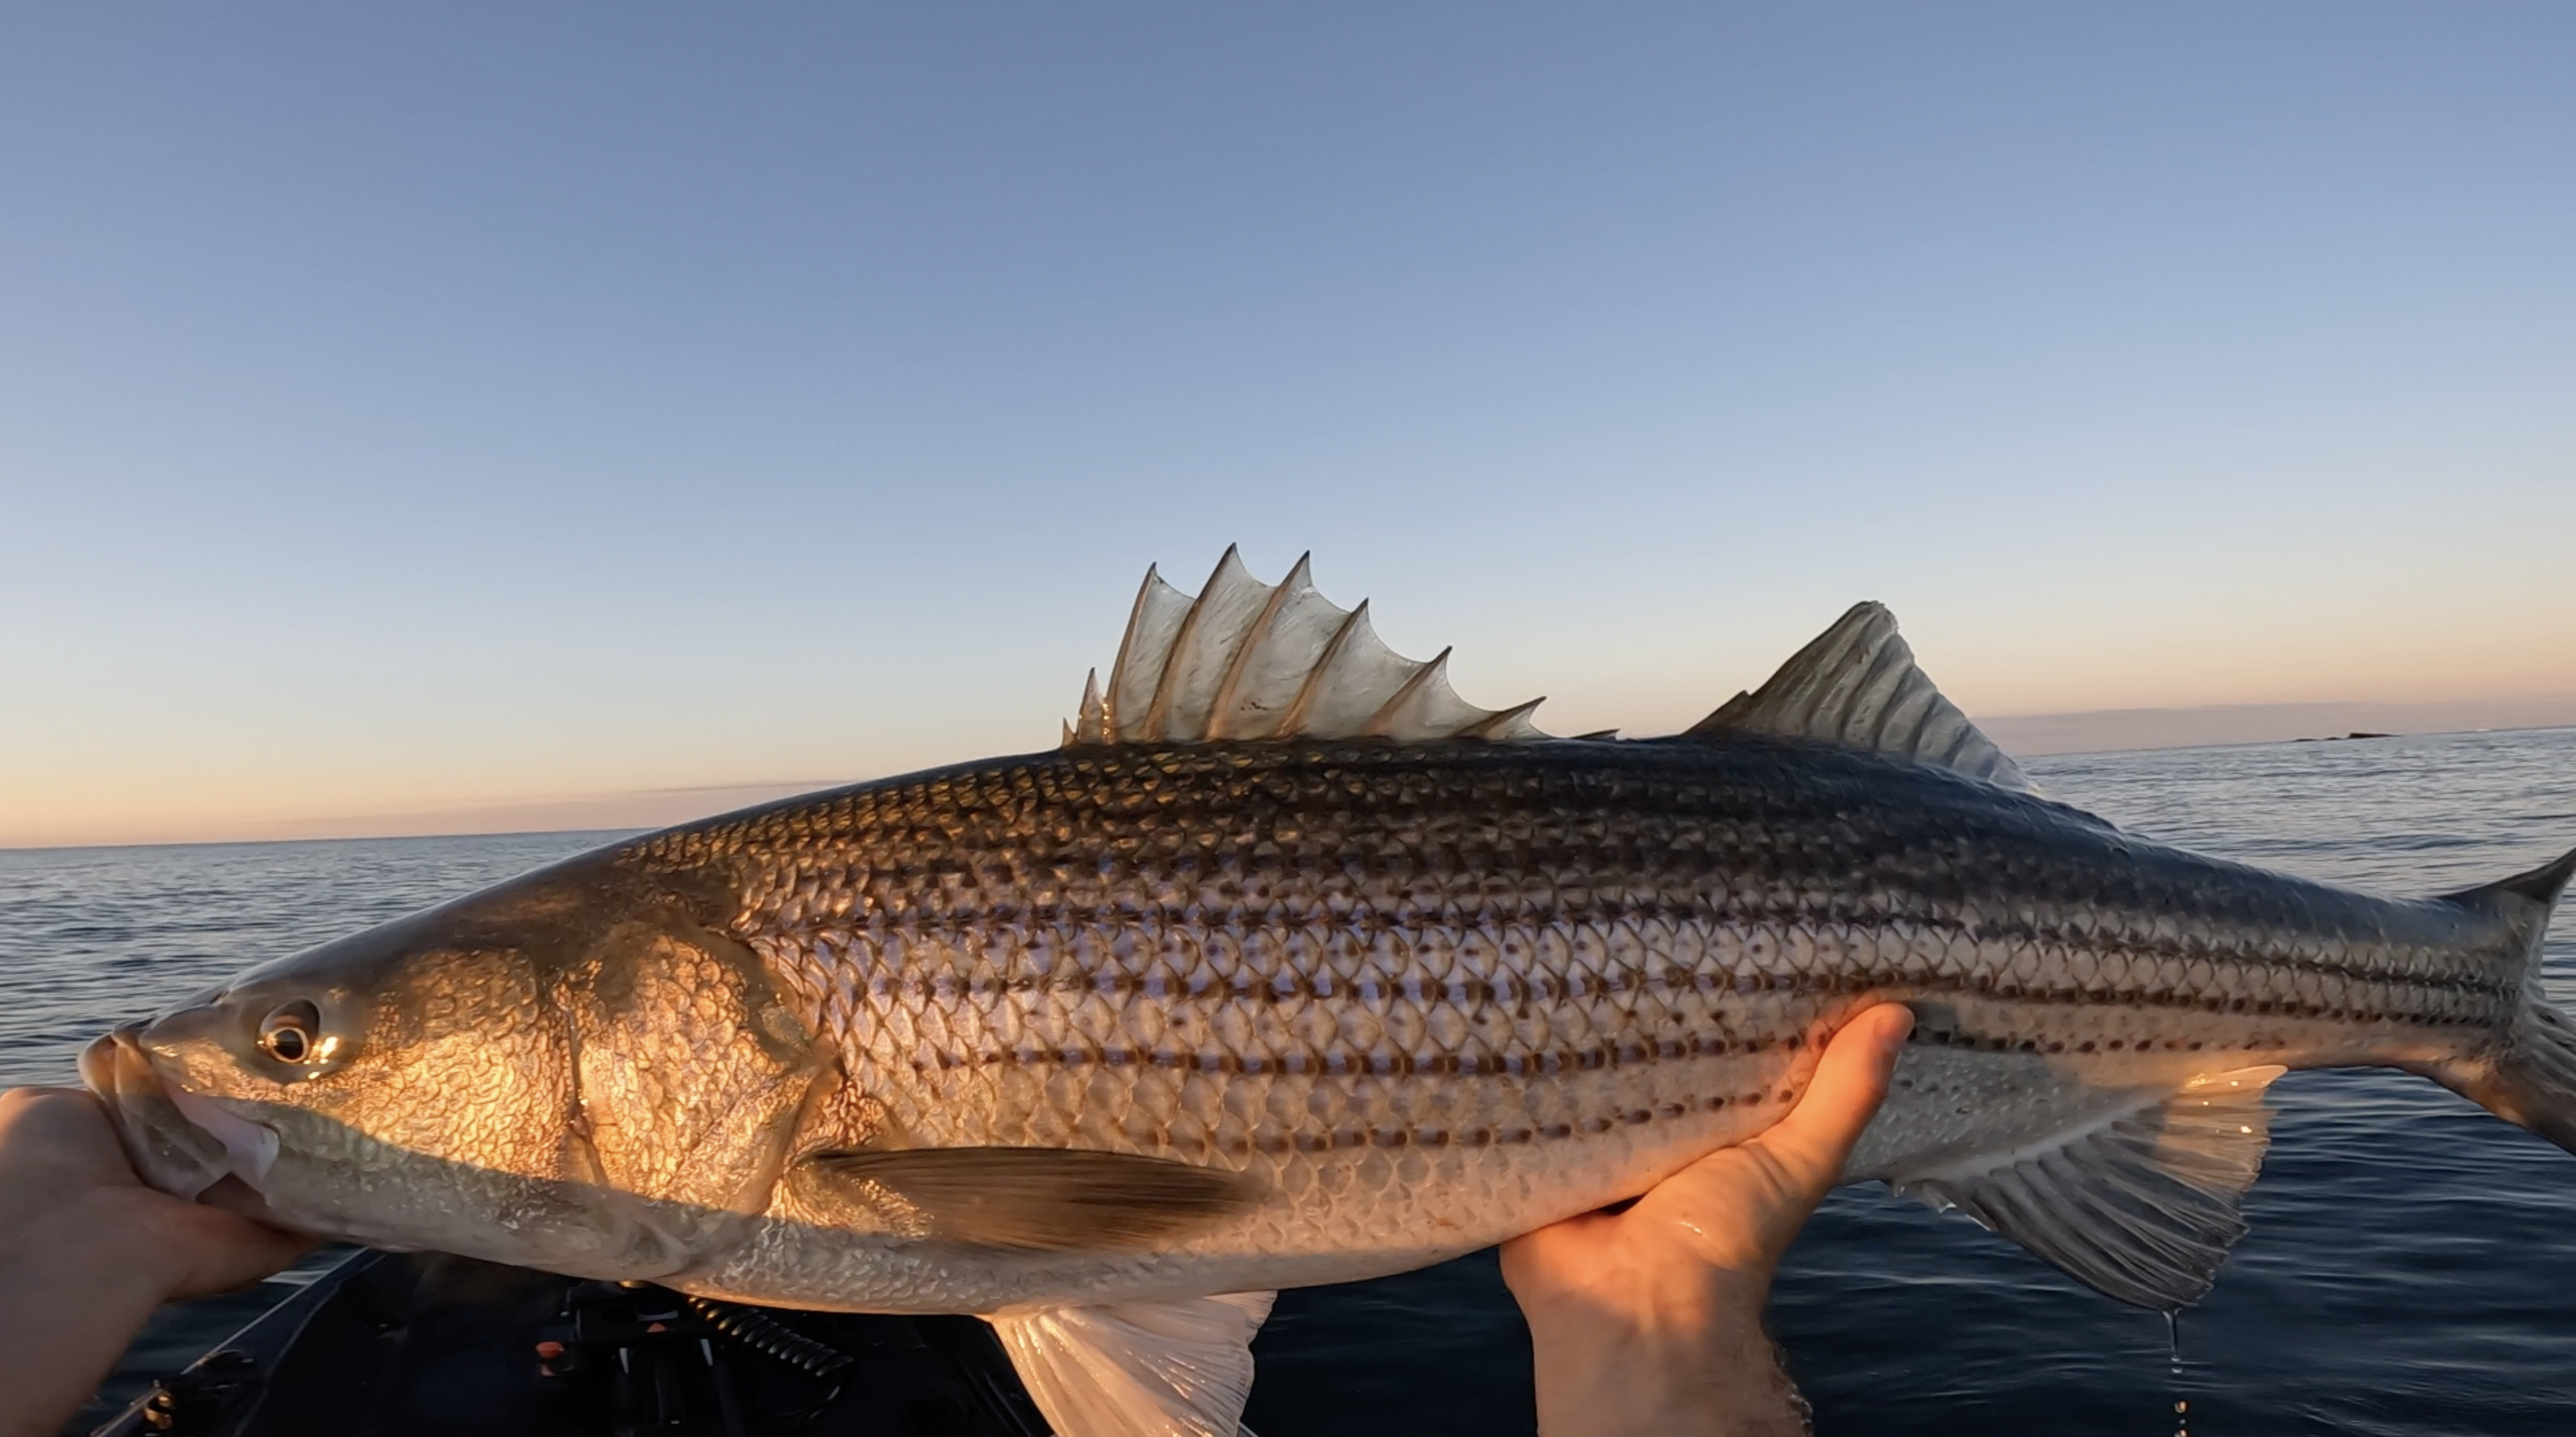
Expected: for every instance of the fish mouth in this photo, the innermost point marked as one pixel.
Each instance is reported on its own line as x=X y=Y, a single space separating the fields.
x=180 y=1142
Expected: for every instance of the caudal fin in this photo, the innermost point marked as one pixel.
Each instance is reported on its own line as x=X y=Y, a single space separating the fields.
x=2530 y=1077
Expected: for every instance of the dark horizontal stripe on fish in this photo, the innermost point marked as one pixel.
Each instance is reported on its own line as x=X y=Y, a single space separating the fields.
x=1633 y=1052
x=2268 y=948
x=1273 y=1141
x=1382 y=871
x=956 y=940
x=1341 y=1063
x=1474 y=992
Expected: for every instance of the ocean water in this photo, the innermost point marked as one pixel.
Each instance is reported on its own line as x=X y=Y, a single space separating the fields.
x=2412 y=1265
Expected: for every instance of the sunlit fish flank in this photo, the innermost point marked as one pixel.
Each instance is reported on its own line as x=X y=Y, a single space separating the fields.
x=1291 y=967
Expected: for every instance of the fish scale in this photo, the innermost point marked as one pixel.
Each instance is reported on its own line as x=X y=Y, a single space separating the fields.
x=2233 y=947
x=1296 y=957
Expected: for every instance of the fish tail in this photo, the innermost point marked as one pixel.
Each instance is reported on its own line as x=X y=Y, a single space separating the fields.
x=2529 y=1075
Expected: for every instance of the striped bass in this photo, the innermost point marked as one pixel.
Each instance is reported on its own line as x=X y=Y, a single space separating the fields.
x=1290 y=967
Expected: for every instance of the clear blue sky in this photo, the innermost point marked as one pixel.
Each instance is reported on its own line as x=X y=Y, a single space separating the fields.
x=405 y=406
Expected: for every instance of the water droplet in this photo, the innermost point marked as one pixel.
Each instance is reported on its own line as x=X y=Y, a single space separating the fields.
x=2173 y=1355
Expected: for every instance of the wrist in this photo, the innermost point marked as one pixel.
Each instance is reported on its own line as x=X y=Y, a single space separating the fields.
x=80 y=1284
x=1693 y=1358
x=116 y=1240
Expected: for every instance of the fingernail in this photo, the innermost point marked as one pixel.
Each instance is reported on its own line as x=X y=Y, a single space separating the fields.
x=1896 y=1034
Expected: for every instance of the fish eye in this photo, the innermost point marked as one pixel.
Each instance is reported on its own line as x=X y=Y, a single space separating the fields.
x=292 y=1033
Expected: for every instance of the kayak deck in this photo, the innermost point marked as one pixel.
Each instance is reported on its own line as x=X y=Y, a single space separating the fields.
x=424 y=1345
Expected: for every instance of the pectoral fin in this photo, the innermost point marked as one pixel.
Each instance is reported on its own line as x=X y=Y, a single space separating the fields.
x=2141 y=1206
x=1053 y=1199
x=1139 y=1369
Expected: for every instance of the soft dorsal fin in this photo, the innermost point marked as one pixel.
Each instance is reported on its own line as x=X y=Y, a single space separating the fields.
x=1857 y=685
x=1247 y=660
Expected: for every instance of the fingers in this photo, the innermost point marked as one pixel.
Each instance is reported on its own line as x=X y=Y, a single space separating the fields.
x=32 y=1114
x=54 y=1142
x=214 y=1251
x=241 y=1199
x=1810 y=1144
x=64 y=1174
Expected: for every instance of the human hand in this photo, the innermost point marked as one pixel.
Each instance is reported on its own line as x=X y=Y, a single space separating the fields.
x=87 y=1252
x=1649 y=1319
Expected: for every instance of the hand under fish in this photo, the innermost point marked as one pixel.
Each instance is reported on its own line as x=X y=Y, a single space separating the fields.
x=87 y=1252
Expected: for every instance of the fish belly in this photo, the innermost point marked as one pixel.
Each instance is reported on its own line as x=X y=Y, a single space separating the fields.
x=1359 y=1177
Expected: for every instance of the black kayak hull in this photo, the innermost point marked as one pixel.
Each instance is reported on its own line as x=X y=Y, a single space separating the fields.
x=428 y=1345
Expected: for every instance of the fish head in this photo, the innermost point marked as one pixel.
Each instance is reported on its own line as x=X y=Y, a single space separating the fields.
x=562 y=1073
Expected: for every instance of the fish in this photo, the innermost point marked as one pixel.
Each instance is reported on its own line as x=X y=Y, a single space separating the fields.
x=1288 y=966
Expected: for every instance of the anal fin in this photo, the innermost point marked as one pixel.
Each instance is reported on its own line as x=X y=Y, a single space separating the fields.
x=1139 y=1369
x=2142 y=1206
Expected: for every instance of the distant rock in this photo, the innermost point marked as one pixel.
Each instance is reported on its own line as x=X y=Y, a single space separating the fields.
x=2109 y=730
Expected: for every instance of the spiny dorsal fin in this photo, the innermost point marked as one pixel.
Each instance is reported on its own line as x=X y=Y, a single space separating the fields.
x=1248 y=660
x=2142 y=1207
x=1857 y=685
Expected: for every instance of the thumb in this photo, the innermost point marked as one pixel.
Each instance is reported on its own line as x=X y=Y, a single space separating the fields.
x=216 y=1251
x=1811 y=1143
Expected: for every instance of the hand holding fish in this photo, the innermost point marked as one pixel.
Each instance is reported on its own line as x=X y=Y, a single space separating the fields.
x=87 y=1252
x=1650 y=1319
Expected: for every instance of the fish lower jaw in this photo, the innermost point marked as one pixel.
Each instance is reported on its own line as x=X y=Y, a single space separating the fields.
x=171 y=1145
x=252 y=1146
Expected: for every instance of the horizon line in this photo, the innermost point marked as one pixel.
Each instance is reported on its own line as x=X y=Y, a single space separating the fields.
x=2058 y=735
